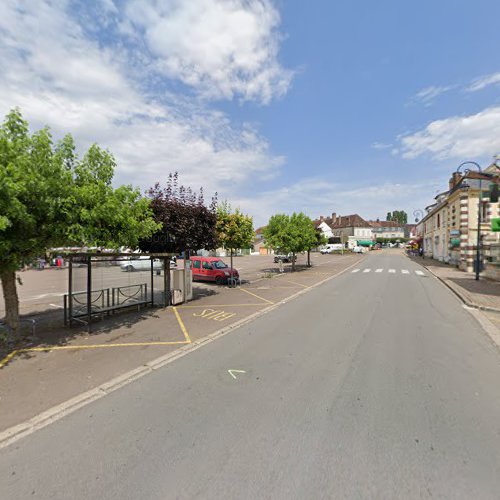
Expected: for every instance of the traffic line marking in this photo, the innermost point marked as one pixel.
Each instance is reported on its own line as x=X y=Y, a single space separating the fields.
x=392 y=270
x=232 y=372
x=181 y=324
x=405 y=271
x=355 y=271
x=255 y=295
x=366 y=270
x=420 y=273
x=378 y=270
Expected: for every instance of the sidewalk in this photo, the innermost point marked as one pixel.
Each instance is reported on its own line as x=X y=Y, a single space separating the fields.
x=483 y=294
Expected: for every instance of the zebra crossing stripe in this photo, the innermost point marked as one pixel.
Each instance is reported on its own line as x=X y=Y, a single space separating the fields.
x=405 y=271
x=355 y=271
x=420 y=273
x=366 y=270
x=378 y=270
x=392 y=270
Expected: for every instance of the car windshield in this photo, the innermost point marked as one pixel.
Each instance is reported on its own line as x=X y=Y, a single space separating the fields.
x=219 y=264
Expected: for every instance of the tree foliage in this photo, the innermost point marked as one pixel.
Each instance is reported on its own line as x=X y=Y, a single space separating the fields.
x=187 y=224
x=234 y=229
x=290 y=233
x=50 y=198
x=399 y=216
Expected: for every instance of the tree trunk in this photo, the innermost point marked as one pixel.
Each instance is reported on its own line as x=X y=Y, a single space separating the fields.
x=293 y=262
x=231 y=266
x=11 y=300
x=309 y=258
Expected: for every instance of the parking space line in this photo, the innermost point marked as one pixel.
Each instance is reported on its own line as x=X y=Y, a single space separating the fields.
x=181 y=324
x=255 y=295
x=221 y=305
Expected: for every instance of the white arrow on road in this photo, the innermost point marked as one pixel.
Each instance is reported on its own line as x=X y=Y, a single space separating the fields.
x=232 y=372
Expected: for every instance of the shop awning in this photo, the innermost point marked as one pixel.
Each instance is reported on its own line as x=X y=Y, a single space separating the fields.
x=366 y=243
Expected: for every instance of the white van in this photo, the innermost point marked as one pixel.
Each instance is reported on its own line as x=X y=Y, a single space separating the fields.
x=332 y=247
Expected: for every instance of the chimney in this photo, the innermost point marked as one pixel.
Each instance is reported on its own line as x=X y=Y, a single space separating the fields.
x=321 y=218
x=455 y=178
x=334 y=218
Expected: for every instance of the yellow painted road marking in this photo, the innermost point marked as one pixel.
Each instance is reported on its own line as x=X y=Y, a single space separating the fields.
x=181 y=324
x=8 y=358
x=255 y=295
x=82 y=347
x=221 y=305
x=215 y=314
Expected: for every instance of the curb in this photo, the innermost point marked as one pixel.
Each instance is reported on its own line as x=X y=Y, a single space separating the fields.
x=13 y=434
x=457 y=293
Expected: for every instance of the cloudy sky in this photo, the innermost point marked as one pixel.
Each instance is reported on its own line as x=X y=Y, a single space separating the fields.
x=279 y=106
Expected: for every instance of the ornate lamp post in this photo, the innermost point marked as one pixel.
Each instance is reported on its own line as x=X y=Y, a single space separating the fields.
x=478 y=251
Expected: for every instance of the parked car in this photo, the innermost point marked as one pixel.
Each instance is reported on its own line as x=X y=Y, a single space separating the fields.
x=143 y=263
x=331 y=247
x=359 y=249
x=284 y=257
x=212 y=269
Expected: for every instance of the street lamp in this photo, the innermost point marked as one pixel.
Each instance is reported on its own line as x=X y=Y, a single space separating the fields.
x=419 y=215
x=478 y=251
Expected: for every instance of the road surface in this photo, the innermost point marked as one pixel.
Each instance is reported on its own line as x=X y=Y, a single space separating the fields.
x=377 y=384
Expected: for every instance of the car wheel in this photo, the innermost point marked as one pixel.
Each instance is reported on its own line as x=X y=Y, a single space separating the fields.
x=219 y=280
x=129 y=268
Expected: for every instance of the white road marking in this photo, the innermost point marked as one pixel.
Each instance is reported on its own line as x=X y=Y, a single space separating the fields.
x=232 y=372
x=378 y=270
x=55 y=305
x=355 y=271
x=405 y=271
x=392 y=270
x=420 y=273
x=366 y=270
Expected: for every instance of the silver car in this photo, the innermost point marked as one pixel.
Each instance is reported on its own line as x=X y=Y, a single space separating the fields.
x=143 y=263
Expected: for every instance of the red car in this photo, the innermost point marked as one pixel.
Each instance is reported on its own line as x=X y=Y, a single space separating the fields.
x=211 y=269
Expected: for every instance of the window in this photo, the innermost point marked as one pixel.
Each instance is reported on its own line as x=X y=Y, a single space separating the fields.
x=207 y=265
x=196 y=264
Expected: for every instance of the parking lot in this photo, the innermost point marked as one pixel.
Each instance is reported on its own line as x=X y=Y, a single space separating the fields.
x=62 y=362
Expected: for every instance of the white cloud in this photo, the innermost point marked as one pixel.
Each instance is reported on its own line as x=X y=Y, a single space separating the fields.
x=322 y=197
x=456 y=137
x=483 y=82
x=427 y=95
x=221 y=48
x=64 y=79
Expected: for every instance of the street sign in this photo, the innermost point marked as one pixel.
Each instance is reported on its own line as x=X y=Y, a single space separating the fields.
x=495 y=224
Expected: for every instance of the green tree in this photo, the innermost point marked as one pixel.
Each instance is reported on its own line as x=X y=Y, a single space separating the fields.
x=49 y=198
x=291 y=234
x=399 y=216
x=234 y=229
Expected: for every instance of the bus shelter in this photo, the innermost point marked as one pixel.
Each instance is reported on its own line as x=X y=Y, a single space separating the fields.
x=103 y=284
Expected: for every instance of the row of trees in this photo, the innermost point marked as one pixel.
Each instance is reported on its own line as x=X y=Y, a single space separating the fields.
x=49 y=197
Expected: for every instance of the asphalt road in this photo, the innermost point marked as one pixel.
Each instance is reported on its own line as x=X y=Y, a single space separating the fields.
x=373 y=385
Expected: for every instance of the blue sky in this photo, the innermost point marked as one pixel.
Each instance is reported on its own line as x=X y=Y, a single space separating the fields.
x=324 y=106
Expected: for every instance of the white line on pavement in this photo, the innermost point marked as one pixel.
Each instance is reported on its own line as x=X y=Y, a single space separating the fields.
x=420 y=273
x=366 y=270
x=405 y=271
x=378 y=270
x=392 y=270
x=355 y=271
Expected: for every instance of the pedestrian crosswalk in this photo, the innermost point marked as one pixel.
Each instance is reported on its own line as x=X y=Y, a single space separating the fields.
x=390 y=271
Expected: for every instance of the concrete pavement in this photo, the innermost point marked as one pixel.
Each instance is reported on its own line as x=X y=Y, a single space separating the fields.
x=378 y=384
